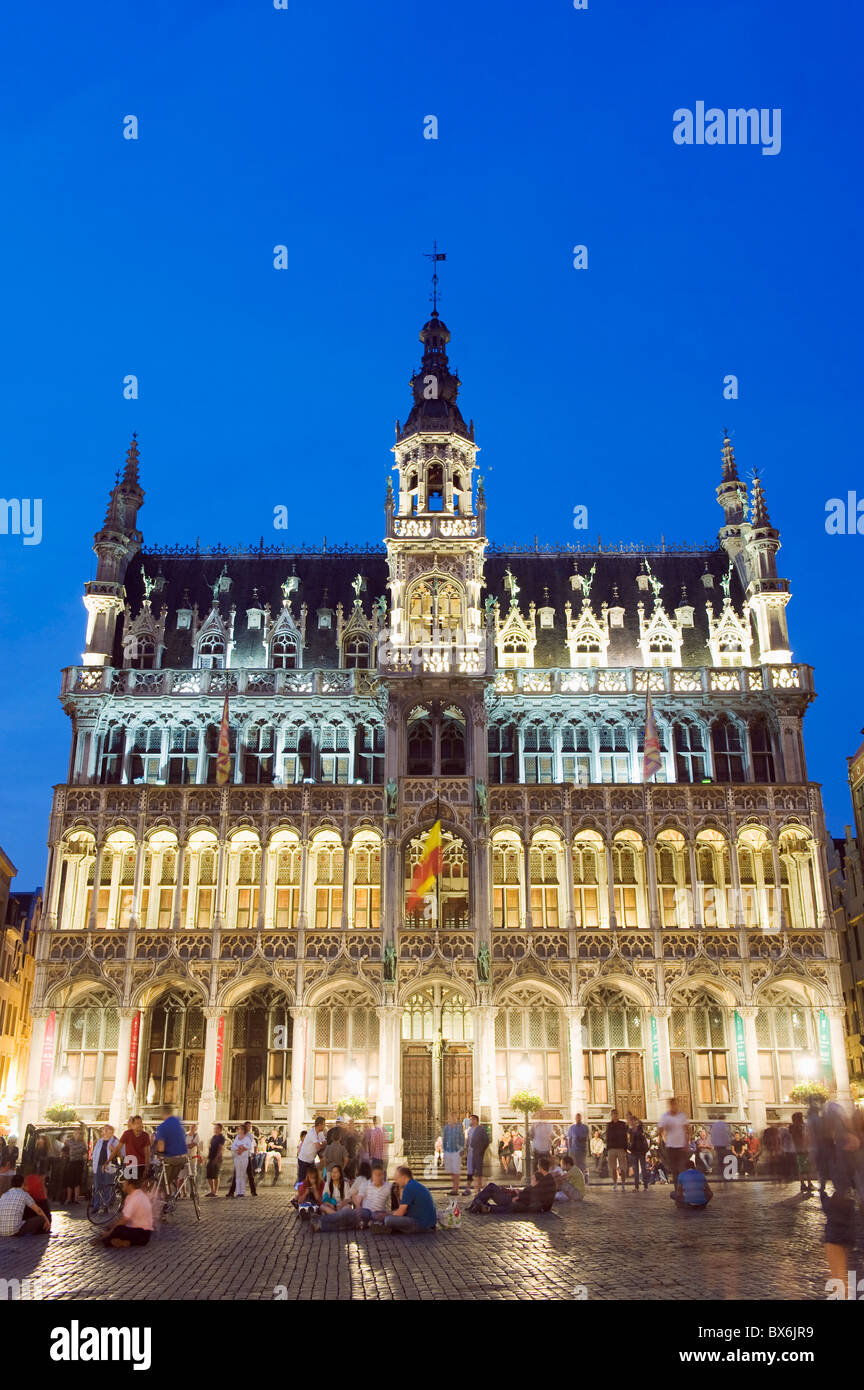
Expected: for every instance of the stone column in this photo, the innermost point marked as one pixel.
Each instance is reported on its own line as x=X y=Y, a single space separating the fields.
x=610 y=887
x=34 y=1102
x=94 y=900
x=262 y=889
x=305 y=871
x=346 y=882
x=300 y=1067
x=389 y=1062
x=209 y=1099
x=135 y=907
x=268 y=892
x=839 y=1060
x=779 y=921
x=118 y=1111
x=484 y=1066
x=53 y=905
x=176 y=915
x=820 y=879
x=482 y=894
x=651 y=880
x=664 y=1053
x=221 y=886
x=755 y=1098
x=696 y=904
x=529 y=916
x=576 y=1098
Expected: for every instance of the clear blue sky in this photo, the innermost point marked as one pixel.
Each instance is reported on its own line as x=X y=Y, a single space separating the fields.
x=259 y=387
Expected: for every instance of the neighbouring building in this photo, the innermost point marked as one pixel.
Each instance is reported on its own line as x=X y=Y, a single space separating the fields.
x=246 y=951
x=19 y=923
x=852 y=939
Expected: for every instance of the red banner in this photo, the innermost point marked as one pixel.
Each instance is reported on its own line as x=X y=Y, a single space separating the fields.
x=133 y=1049
x=48 y=1051
x=220 y=1042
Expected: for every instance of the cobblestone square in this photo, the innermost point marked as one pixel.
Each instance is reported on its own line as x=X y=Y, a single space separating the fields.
x=754 y=1242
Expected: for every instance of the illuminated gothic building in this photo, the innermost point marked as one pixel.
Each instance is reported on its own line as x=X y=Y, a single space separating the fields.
x=245 y=951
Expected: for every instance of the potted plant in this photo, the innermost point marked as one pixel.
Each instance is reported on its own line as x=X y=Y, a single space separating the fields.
x=61 y=1114
x=352 y=1108
x=528 y=1103
x=806 y=1091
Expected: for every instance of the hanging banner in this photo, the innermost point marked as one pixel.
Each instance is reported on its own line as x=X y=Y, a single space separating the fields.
x=48 y=1051
x=825 y=1045
x=133 y=1049
x=655 y=1051
x=220 y=1043
x=741 y=1047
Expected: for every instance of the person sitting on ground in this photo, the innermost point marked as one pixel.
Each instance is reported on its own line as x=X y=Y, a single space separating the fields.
x=275 y=1153
x=134 y=1225
x=368 y=1200
x=416 y=1211
x=20 y=1214
x=35 y=1186
x=693 y=1188
x=518 y=1201
x=335 y=1189
x=569 y=1181
x=310 y=1194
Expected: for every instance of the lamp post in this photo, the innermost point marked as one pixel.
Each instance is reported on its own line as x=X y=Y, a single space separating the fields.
x=525 y=1072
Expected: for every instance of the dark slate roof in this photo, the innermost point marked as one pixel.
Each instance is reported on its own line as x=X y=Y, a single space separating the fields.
x=332 y=572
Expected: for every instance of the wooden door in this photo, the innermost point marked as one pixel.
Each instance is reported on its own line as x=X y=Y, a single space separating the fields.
x=417 y=1100
x=458 y=1093
x=247 y=1072
x=681 y=1082
x=194 y=1085
x=629 y=1084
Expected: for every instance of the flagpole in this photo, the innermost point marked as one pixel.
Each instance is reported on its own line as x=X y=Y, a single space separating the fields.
x=438 y=875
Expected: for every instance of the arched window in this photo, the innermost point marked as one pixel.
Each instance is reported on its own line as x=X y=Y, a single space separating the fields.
x=673 y=879
x=244 y=880
x=614 y=753
x=283 y=653
x=211 y=653
x=434 y=611
x=143 y=656
x=761 y=751
x=728 y=750
x=199 y=878
x=545 y=860
x=586 y=881
x=289 y=859
x=89 y=1050
x=421 y=748
x=529 y=1042
x=345 y=1059
x=329 y=868
x=176 y=1031
x=627 y=857
x=515 y=654
x=697 y=1035
x=503 y=766
x=450 y=897
x=613 y=1041
x=539 y=760
x=506 y=882
x=784 y=1036
x=357 y=653
x=366 y=856
x=690 y=756
x=452 y=744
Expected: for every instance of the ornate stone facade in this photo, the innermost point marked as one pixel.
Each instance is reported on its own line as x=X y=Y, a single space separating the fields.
x=245 y=951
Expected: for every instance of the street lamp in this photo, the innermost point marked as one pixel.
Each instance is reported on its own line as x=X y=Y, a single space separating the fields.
x=807 y=1066
x=525 y=1072
x=63 y=1085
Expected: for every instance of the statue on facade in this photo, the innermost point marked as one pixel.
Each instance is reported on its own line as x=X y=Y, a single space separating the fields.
x=381 y=605
x=390 y=963
x=357 y=585
x=149 y=584
x=726 y=583
x=484 y=964
x=482 y=799
x=586 y=580
x=510 y=584
x=392 y=793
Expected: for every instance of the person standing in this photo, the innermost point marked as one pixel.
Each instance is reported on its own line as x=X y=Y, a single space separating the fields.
x=135 y=1142
x=376 y=1143
x=75 y=1154
x=800 y=1139
x=616 y=1150
x=250 y=1164
x=518 y=1144
x=351 y=1141
x=721 y=1138
x=542 y=1133
x=675 y=1131
x=241 y=1149
x=577 y=1145
x=477 y=1144
x=193 y=1151
x=639 y=1146
x=103 y=1152
x=453 y=1140
x=310 y=1148
x=215 y=1153
x=416 y=1212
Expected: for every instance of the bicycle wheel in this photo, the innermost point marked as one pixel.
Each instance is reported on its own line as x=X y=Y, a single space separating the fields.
x=196 y=1200
x=102 y=1209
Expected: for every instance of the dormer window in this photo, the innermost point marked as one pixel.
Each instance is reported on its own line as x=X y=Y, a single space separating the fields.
x=211 y=653
x=547 y=617
x=144 y=655
x=283 y=655
x=357 y=654
x=514 y=655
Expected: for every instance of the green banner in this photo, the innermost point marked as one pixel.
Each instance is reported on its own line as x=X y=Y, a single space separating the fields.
x=741 y=1047
x=655 y=1051
x=825 y=1044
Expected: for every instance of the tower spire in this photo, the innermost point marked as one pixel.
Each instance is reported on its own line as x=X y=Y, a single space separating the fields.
x=758 y=504
x=730 y=468
x=435 y=256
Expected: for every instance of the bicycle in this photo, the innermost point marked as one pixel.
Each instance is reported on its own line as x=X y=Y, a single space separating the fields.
x=171 y=1196
x=104 y=1205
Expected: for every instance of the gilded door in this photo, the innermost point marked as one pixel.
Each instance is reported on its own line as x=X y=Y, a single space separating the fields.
x=629 y=1084
x=247 y=1074
x=417 y=1099
x=681 y=1082
x=194 y=1084
x=458 y=1090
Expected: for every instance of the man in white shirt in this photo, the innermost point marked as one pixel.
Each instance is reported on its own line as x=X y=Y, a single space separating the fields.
x=311 y=1147
x=242 y=1147
x=675 y=1129
x=104 y=1149
x=541 y=1138
x=721 y=1142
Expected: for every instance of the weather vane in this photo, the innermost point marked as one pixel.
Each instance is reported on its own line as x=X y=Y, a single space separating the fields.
x=435 y=256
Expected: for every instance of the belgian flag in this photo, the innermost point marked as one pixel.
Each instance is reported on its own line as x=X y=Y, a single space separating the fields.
x=428 y=869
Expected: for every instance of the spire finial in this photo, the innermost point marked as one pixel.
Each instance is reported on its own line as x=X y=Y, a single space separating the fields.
x=758 y=505
x=435 y=256
x=130 y=472
x=730 y=468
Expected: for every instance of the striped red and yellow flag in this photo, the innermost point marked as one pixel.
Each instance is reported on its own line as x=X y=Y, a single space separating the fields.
x=223 y=751
x=651 y=758
x=428 y=869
